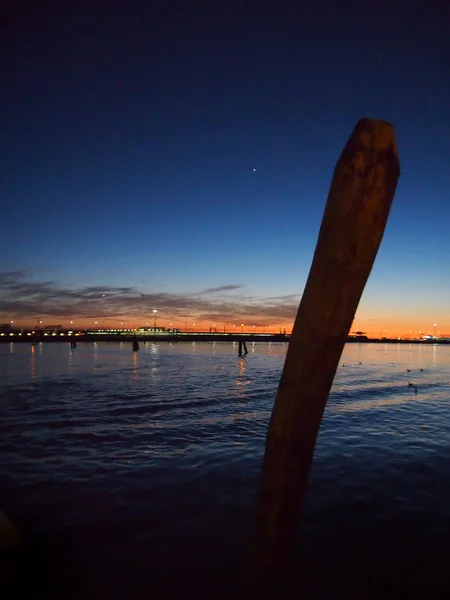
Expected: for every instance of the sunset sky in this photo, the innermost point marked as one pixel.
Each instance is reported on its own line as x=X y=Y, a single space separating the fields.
x=177 y=156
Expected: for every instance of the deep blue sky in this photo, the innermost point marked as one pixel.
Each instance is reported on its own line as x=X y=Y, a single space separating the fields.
x=131 y=131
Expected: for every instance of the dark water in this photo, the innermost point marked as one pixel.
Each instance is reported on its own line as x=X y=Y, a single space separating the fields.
x=134 y=475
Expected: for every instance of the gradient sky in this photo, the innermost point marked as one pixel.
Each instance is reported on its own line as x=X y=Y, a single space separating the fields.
x=130 y=135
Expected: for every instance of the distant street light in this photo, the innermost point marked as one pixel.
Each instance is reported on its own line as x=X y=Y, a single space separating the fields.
x=155 y=310
x=434 y=325
x=242 y=327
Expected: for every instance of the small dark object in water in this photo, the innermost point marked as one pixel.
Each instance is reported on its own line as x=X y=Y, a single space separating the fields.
x=73 y=344
x=135 y=345
x=421 y=369
x=408 y=370
x=410 y=384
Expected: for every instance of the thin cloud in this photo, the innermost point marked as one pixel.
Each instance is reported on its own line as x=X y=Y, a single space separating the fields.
x=22 y=298
x=222 y=288
x=8 y=277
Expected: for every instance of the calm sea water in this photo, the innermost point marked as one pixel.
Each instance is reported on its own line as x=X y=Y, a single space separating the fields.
x=133 y=475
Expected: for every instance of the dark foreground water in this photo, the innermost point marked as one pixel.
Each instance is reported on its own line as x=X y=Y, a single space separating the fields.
x=134 y=475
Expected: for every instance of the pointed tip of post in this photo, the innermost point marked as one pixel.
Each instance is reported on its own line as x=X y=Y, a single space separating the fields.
x=371 y=120
x=375 y=134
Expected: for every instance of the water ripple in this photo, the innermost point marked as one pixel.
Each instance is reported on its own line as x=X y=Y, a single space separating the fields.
x=167 y=445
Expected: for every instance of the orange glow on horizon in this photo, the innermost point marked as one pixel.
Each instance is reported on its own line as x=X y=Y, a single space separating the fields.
x=373 y=328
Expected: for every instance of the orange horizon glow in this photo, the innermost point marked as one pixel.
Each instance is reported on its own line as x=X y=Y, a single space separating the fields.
x=373 y=328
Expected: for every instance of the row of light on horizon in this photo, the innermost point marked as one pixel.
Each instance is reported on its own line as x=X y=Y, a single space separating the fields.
x=155 y=311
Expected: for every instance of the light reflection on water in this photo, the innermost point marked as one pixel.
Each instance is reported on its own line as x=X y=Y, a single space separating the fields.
x=166 y=443
x=33 y=362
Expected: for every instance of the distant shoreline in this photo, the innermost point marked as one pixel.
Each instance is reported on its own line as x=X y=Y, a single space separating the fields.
x=87 y=337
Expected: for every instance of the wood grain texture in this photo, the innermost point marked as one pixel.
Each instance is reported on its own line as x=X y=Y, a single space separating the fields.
x=357 y=209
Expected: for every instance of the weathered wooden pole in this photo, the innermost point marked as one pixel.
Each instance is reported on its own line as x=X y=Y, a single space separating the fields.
x=359 y=200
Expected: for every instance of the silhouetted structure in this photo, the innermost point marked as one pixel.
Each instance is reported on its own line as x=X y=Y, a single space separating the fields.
x=242 y=347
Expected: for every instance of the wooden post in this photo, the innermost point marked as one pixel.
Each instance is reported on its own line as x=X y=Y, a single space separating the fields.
x=242 y=348
x=359 y=200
